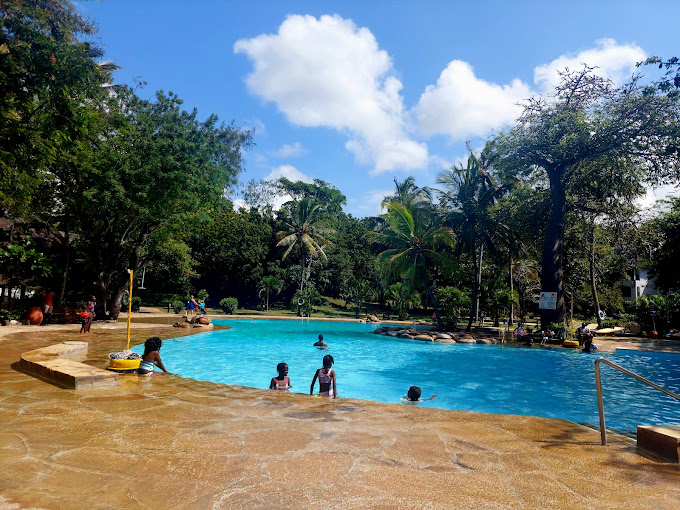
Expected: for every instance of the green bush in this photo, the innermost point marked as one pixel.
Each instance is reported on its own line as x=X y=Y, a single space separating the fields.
x=229 y=305
x=203 y=295
x=136 y=303
x=178 y=306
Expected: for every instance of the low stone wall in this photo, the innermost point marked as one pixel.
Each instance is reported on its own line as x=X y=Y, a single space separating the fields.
x=436 y=336
x=60 y=364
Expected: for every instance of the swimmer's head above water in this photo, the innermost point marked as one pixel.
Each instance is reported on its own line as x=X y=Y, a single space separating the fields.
x=414 y=393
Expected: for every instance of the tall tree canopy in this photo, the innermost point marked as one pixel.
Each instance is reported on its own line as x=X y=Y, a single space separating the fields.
x=157 y=167
x=51 y=84
x=589 y=131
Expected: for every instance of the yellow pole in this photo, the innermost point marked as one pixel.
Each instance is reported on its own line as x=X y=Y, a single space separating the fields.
x=129 y=309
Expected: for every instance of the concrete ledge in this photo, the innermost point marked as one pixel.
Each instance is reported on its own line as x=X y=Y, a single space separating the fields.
x=60 y=364
x=664 y=441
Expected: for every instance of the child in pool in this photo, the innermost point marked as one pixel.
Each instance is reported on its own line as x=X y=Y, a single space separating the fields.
x=326 y=376
x=151 y=357
x=413 y=395
x=281 y=381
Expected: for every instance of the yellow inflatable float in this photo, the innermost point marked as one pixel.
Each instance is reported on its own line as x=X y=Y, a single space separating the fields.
x=570 y=343
x=124 y=365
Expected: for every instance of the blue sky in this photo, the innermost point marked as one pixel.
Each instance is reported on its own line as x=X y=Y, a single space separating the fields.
x=359 y=92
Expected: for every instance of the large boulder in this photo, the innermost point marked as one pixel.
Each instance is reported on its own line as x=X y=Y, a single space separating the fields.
x=466 y=340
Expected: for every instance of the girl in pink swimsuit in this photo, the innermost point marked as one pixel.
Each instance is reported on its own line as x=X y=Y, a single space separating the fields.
x=326 y=376
x=281 y=381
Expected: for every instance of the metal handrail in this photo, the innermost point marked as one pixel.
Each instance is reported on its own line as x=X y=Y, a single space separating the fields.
x=598 y=382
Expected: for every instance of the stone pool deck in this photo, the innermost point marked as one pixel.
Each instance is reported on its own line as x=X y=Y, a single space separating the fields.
x=169 y=442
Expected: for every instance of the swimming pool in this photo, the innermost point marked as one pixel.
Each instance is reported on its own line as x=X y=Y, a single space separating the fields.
x=553 y=383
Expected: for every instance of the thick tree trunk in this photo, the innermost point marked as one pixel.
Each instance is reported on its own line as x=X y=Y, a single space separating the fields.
x=121 y=282
x=553 y=249
x=115 y=304
x=593 y=283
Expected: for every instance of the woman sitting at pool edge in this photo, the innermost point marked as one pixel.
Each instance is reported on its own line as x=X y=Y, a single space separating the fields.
x=326 y=376
x=281 y=381
x=151 y=357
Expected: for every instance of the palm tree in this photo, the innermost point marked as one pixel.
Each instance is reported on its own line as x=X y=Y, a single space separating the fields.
x=269 y=284
x=413 y=239
x=305 y=231
x=470 y=193
x=407 y=192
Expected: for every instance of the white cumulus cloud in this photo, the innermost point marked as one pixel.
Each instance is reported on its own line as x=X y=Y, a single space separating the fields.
x=292 y=174
x=613 y=60
x=461 y=105
x=328 y=72
x=289 y=151
x=289 y=172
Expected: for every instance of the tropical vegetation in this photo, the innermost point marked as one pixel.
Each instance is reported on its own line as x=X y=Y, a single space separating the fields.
x=96 y=180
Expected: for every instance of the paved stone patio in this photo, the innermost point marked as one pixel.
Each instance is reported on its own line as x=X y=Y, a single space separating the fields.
x=169 y=442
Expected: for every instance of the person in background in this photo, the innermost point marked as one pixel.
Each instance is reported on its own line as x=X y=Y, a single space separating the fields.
x=48 y=304
x=320 y=342
x=201 y=307
x=582 y=333
x=87 y=319
x=48 y=301
x=191 y=306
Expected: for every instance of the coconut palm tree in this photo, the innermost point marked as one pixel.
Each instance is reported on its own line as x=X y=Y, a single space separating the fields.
x=407 y=191
x=304 y=230
x=269 y=284
x=413 y=240
x=470 y=193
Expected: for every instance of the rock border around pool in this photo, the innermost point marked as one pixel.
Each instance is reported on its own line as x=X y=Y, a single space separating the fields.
x=443 y=337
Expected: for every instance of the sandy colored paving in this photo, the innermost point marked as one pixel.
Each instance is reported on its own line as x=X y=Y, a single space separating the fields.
x=168 y=442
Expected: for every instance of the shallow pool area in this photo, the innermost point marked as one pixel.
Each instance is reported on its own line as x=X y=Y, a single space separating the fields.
x=553 y=383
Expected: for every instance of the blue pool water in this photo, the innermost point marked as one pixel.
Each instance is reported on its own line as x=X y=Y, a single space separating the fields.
x=553 y=383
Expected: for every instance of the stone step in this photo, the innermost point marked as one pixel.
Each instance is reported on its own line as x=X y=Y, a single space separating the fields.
x=59 y=364
x=662 y=440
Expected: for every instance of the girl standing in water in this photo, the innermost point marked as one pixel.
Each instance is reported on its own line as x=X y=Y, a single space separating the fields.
x=326 y=376
x=281 y=381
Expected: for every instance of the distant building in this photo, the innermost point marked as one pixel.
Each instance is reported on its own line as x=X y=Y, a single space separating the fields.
x=642 y=286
